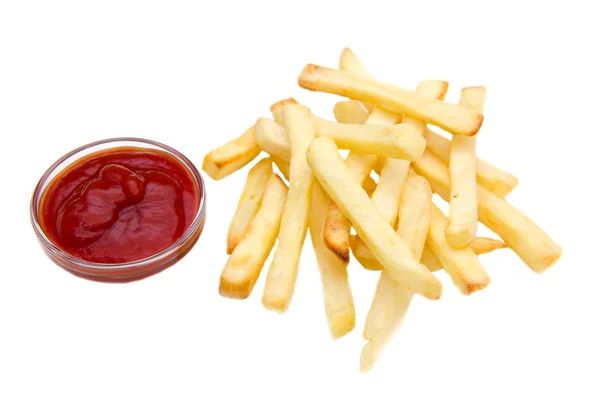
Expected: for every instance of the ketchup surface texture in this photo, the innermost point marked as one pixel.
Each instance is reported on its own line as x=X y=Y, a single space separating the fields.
x=120 y=205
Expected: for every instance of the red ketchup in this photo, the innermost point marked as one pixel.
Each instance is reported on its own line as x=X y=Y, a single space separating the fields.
x=120 y=205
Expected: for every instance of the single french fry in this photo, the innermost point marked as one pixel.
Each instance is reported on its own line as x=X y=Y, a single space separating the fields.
x=398 y=141
x=462 y=265
x=462 y=218
x=489 y=176
x=245 y=263
x=283 y=271
x=451 y=117
x=395 y=256
x=364 y=255
x=372 y=349
x=249 y=202
x=339 y=305
x=362 y=115
x=350 y=112
x=232 y=156
x=479 y=245
x=272 y=138
x=521 y=234
x=392 y=299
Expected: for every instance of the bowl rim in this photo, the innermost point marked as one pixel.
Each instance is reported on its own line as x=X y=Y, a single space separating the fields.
x=89 y=265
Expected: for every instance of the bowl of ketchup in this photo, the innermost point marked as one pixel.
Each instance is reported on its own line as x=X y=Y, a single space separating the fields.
x=119 y=210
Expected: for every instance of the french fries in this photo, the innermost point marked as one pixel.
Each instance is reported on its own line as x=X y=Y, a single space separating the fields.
x=273 y=139
x=249 y=202
x=337 y=228
x=490 y=177
x=248 y=257
x=232 y=156
x=520 y=233
x=462 y=265
x=401 y=141
x=392 y=299
x=395 y=256
x=462 y=218
x=283 y=271
x=385 y=129
x=339 y=305
x=350 y=112
x=364 y=255
x=479 y=245
x=451 y=117
x=393 y=173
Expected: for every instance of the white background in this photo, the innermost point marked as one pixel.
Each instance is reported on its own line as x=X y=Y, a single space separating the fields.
x=196 y=74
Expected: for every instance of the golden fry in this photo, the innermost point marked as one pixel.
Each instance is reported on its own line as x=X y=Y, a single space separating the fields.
x=232 y=156
x=283 y=272
x=462 y=218
x=398 y=141
x=339 y=305
x=249 y=202
x=413 y=226
x=451 y=117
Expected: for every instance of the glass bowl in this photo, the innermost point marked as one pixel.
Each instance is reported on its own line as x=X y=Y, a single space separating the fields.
x=125 y=272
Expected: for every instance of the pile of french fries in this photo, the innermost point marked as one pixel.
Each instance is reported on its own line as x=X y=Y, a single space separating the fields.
x=399 y=230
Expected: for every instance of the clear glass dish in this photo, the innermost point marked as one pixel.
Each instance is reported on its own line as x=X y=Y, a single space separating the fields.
x=125 y=272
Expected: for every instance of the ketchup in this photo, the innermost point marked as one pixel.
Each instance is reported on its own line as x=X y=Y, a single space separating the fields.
x=120 y=205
